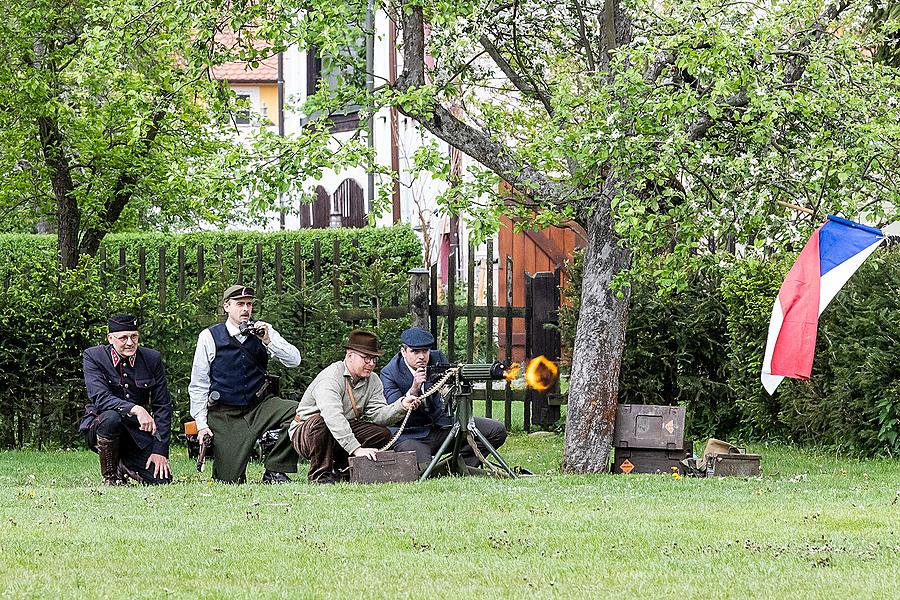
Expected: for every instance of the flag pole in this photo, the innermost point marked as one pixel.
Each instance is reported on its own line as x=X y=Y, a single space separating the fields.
x=797 y=207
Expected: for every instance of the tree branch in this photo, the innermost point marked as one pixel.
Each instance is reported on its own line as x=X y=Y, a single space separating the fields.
x=793 y=72
x=662 y=59
x=123 y=191
x=582 y=33
x=799 y=61
x=470 y=140
x=517 y=80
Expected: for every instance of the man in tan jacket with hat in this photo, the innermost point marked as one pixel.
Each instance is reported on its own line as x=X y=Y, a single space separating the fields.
x=343 y=411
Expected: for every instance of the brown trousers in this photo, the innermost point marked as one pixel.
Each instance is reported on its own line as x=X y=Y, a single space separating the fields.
x=313 y=441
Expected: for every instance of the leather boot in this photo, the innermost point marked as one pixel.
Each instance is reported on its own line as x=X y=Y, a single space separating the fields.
x=125 y=473
x=108 y=450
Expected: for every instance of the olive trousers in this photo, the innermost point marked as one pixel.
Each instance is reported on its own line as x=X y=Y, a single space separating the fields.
x=236 y=429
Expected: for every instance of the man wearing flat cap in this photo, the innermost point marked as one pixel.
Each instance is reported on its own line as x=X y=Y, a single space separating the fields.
x=128 y=420
x=404 y=376
x=231 y=395
x=343 y=412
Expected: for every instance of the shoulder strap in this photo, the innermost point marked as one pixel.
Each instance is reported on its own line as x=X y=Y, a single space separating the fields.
x=352 y=398
x=246 y=351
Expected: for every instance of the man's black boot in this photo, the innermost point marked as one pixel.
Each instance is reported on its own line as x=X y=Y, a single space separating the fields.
x=108 y=451
x=275 y=477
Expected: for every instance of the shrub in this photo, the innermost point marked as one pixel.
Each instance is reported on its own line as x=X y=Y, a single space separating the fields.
x=54 y=316
x=703 y=347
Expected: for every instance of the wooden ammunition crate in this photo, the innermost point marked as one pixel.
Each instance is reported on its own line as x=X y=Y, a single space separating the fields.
x=732 y=464
x=651 y=460
x=389 y=467
x=649 y=426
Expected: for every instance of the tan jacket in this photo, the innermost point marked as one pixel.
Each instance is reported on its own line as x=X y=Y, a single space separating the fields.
x=327 y=394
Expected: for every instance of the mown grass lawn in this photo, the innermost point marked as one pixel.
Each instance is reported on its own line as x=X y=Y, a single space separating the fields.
x=812 y=526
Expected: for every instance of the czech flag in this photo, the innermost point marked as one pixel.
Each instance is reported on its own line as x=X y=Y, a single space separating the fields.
x=834 y=252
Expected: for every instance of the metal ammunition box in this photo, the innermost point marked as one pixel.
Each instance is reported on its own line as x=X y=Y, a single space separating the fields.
x=651 y=460
x=732 y=465
x=389 y=467
x=649 y=426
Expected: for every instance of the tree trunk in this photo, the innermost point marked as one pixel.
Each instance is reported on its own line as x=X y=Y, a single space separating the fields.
x=67 y=215
x=600 y=337
x=603 y=318
x=599 y=345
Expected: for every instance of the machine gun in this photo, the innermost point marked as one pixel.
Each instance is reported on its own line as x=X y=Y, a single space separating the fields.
x=467 y=372
x=455 y=383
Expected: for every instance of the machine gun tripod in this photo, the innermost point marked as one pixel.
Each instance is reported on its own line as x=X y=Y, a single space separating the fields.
x=457 y=380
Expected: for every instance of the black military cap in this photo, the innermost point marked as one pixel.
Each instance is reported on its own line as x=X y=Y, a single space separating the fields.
x=123 y=322
x=417 y=338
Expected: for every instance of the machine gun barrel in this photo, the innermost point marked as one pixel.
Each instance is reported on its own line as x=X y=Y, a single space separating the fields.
x=469 y=371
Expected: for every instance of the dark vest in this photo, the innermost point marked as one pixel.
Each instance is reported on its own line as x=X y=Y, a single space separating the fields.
x=237 y=371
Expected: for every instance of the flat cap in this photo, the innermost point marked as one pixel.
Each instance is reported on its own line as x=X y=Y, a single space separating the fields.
x=417 y=338
x=237 y=291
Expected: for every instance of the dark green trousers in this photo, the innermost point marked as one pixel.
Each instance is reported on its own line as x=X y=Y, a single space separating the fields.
x=236 y=429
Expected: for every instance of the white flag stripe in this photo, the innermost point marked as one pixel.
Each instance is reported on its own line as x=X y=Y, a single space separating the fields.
x=769 y=381
x=832 y=281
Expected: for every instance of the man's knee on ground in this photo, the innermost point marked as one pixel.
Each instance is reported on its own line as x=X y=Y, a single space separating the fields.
x=423 y=452
x=493 y=430
x=109 y=424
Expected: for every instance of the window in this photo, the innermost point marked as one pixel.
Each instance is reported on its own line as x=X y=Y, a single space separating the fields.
x=247 y=105
x=342 y=71
x=242 y=114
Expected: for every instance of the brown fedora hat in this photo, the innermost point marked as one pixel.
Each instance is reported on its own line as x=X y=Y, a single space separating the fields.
x=365 y=342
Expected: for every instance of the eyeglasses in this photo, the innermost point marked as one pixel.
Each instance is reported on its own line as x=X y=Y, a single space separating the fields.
x=133 y=338
x=369 y=360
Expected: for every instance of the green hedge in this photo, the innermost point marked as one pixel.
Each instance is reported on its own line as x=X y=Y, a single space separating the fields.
x=397 y=249
x=703 y=347
x=52 y=317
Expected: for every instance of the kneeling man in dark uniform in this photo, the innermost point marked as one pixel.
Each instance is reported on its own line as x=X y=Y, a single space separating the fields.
x=125 y=384
x=343 y=412
x=403 y=376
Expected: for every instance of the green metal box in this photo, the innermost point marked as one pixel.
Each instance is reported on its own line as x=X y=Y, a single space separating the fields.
x=389 y=467
x=649 y=426
x=732 y=464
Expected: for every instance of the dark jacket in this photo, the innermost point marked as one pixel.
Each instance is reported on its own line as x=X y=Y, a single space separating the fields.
x=113 y=383
x=397 y=379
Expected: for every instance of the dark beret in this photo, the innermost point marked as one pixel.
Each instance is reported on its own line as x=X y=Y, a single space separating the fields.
x=417 y=338
x=123 y=322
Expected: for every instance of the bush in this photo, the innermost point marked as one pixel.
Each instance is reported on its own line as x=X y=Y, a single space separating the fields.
x=749 y=288
x=703 y=347
x=52 y=317
x=852 y=401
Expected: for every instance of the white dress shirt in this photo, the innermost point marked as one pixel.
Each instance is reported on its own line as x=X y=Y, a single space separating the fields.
x=278 y=347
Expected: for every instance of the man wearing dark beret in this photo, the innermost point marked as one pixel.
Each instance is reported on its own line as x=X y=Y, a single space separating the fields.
x=128 y=420
x=231 y=395
x=404 y=376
